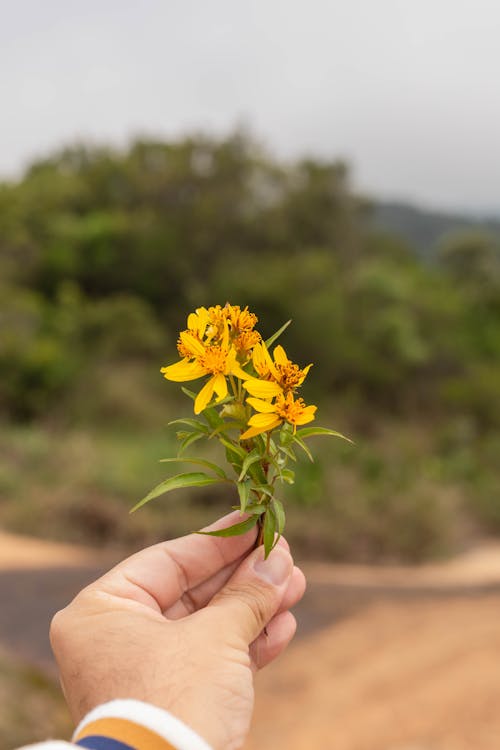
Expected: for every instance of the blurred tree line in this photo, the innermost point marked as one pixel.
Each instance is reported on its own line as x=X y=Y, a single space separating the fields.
x=103 y=253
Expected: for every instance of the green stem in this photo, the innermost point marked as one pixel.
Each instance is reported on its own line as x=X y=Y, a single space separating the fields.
x=233 y=386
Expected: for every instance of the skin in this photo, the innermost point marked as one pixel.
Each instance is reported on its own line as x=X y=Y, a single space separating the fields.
x=180 y=625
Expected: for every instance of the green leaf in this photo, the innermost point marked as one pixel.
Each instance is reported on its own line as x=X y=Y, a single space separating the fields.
x=288 y=476
x=299 y=441
x=288 y=452
x=286 y=434
x=257 y=510
x=195 y=424
x=189 y=393
x=200 y=461
x=265 y=489
x=235 y=530
x=191 y=479
x=257 y=473
x=250 y=459
x=224 y=427
x=244 y=493
x=279 y=512
x=278 y=333
x=213 y=417
x=189 y=440
x=237 y=450
x=269 y=529
x=235 y=411
x=306 y=432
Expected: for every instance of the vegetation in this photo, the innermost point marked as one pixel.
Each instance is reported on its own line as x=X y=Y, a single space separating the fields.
x=31 y=705
x=102 y=254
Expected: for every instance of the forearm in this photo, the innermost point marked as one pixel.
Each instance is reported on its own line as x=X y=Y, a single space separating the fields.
x=129 y=725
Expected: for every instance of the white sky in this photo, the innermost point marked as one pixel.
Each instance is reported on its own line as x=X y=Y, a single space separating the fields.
x=407 y=90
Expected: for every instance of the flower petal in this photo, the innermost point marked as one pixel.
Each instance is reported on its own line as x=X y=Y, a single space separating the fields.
x=183 y=370
x=192 y=344
x=263 y=420
x=306 y=416
x=279 y=355
x=203 y=398
x=262 y=406
x=256 y=430
x=304 y=373
x=225 y=336
x=252 y=432
x=236 y=370
x=262 y=388
x=220 y=386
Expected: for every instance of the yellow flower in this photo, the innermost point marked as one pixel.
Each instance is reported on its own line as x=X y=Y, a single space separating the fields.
x=245 y=342
x=199 y=359
x=271 y=415
x=240 y=320
x=276 y=375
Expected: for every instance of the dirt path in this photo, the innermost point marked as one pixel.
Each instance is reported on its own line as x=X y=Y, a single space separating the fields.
x=386 y=659
x=23 y=552
x=423 y=675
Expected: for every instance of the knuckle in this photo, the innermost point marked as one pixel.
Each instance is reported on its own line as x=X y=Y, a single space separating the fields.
x=58 y=627
x=253 y=598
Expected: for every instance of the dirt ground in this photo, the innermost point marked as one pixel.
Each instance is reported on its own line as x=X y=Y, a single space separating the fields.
x=421 y=675
x=386 y=659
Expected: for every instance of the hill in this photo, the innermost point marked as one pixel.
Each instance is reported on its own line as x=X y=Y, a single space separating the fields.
x=422 y=228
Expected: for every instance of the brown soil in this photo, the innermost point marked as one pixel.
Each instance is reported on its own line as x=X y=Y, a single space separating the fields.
x=412 y=663
x=22 y=552
x=386 y=659
x=422 y=675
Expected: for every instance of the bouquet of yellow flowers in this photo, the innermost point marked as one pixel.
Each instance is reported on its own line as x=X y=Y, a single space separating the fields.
x=249 y=403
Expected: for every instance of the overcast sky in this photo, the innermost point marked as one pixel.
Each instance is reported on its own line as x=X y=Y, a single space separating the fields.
x=407 y=90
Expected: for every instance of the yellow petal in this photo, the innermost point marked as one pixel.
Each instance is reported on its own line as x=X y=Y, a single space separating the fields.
x=262 y=388
x=203 y=398
x=262 y=360
x=263 y=420
x=304 y=373
x=220 y=386
x=252 y=432
x=306 y=416
x=262 y=406
x=258 y=355
x=183 y=370
x=255 y=430
x=197 y=321
x=279 y=355
x=237 y=371
x=225 y=336
x=192 y=344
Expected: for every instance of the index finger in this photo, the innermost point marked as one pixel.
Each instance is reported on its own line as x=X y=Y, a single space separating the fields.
x=159 y=575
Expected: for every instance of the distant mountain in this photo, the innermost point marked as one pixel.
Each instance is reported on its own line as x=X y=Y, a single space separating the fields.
x=422 y=228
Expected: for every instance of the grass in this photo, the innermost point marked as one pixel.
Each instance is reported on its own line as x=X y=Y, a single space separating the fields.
x=31 y=705
x=404 y=492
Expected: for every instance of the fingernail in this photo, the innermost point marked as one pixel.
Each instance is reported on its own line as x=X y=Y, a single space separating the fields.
x=276 y=569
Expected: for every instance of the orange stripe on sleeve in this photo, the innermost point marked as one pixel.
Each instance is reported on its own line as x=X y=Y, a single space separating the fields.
x=125 y=731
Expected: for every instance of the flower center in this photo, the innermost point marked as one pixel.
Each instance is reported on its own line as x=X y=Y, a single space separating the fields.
x=246 y=341
x=288 y=409
x=214 y=360
x=290 y=375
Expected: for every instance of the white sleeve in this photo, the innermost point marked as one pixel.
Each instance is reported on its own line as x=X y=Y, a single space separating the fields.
x=132 y=724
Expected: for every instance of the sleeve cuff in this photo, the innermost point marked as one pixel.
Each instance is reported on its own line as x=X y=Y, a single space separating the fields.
x=133 y=725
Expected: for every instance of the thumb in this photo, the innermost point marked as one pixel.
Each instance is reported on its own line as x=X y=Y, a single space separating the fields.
x=253 y=594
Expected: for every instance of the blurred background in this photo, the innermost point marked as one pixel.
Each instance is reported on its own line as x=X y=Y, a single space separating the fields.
x=335 y=163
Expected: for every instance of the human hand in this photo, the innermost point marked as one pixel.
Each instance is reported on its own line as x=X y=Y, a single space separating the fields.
x=180 y=625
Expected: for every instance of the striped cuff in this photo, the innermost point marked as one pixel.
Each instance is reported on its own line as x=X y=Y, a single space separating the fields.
x=133 y=725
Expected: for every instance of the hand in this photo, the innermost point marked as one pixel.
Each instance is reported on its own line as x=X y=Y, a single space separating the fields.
x=180 y=625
